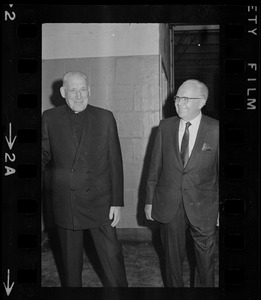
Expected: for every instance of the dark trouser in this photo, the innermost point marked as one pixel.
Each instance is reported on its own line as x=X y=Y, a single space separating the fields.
x=108 y=249
x=173 y=236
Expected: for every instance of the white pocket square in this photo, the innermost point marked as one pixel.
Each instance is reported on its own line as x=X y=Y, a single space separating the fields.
x=206 y=147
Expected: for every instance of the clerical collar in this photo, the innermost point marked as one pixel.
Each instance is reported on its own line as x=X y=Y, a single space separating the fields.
x=72 y=112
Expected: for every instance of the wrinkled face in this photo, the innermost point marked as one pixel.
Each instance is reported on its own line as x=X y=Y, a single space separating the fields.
x=76 y=93
x=188 y=111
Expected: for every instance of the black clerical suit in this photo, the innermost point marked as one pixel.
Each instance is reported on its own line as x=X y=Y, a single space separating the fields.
x=87 y=179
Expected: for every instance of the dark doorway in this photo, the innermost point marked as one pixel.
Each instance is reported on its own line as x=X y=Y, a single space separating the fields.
x=195 y=50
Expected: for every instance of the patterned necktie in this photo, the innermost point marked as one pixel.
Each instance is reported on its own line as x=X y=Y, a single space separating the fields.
x=185 y=145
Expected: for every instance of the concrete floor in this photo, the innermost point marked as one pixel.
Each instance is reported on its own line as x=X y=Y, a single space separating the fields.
x=143 y=262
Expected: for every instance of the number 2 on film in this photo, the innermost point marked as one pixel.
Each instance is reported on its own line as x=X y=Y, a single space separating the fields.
x=9 y=157
x=9 y=16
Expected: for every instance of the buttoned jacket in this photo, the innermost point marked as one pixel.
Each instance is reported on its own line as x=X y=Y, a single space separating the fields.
x=87 y=175
x=196 y=185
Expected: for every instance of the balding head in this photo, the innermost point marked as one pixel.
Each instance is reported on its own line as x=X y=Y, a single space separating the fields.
x=69 y=75
x=196 y=88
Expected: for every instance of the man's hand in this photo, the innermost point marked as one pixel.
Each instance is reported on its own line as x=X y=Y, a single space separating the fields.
x=148 y=209
x=115 y=214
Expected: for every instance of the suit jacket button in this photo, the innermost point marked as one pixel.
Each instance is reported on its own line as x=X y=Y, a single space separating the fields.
x=87 y=190
x=72 y=170
x=72 y=190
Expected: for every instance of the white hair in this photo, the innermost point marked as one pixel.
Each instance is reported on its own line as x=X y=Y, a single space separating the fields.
x=70 y=74
x=203 y=89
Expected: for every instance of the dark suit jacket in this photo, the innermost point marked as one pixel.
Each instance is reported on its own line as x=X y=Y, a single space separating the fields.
x=87 y=176
x=196 y=184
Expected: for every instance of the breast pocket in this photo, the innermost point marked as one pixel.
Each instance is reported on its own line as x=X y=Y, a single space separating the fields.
x=207 y=155
x=207 y=152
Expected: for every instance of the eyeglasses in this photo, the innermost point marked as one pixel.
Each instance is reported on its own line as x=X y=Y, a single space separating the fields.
x=177 y=99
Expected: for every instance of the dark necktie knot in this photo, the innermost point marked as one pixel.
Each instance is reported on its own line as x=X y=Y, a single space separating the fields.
x=187 y=125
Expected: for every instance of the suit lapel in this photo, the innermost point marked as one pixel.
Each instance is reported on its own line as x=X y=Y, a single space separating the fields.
x=175 y=140
x=69 y=128
x=202 y=131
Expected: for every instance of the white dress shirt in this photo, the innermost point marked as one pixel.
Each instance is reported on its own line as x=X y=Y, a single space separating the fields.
x=193 y=130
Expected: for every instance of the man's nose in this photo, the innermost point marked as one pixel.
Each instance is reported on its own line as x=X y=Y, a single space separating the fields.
x=78 y=94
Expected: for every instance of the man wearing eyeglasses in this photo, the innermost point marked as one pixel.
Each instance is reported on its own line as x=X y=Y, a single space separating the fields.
x=182 y=186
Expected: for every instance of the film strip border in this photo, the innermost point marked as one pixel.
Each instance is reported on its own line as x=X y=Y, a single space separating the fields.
x=239 y=155
x=21 y=179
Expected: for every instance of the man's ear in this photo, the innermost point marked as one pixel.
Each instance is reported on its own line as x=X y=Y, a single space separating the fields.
x=62 y=91
x=202 y=103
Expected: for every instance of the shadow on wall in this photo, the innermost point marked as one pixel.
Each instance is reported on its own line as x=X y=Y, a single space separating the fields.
x=48 y=216
x=153 y=226
x=169 y=110
x=56 y=98
x=141 y=219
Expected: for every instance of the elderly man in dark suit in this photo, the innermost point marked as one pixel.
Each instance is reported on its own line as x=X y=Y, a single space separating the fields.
x=182 y=186
x=83 y=144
